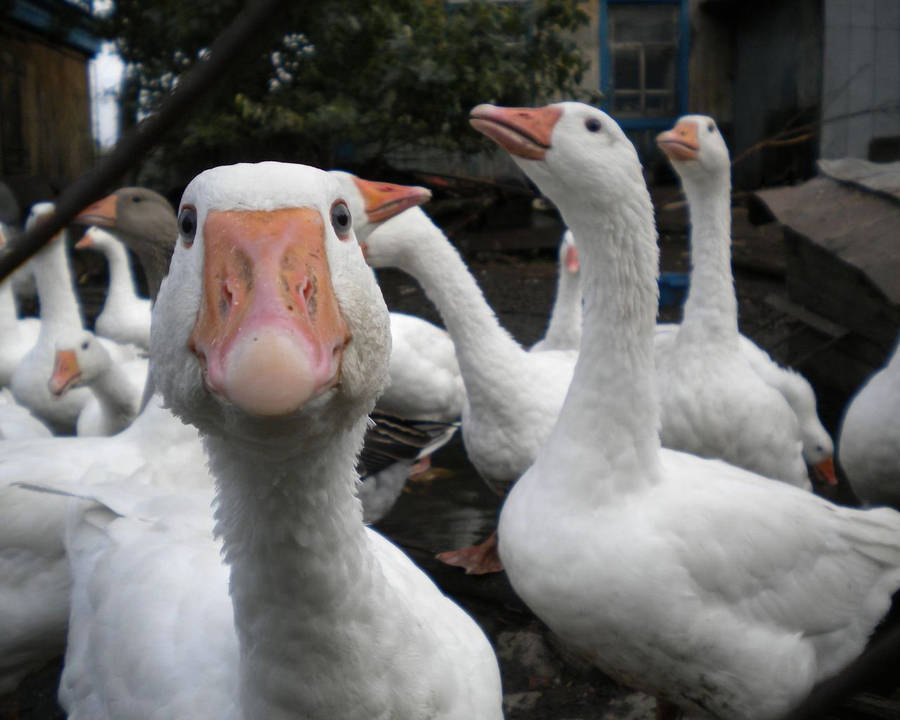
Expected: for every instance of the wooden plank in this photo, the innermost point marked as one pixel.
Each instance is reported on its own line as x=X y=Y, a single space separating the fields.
x=855 y=226
x=883 y=178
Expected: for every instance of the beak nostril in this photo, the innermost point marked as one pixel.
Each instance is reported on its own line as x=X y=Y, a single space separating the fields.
x=227 y=300
x=304 y=289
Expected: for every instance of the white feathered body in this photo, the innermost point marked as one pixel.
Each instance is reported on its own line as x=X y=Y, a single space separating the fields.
x=869 y=443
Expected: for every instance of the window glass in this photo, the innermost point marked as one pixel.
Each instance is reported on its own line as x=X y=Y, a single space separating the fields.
x=643 y=44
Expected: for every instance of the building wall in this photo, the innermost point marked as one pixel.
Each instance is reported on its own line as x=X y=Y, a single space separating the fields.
x=777 y=86
x=45 y=127
x=711 y=85
x=861 y=75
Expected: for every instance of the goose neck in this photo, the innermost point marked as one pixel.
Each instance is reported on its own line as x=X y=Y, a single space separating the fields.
x=121 y=283
x=606 y=435
x=564 y=328
x=113 y=391
x=484 y=349
x=297 y=550
x=59 y=304
x=8 y=314
x=710 y=310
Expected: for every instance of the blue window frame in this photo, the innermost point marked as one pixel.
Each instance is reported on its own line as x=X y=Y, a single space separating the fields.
x=644 y=46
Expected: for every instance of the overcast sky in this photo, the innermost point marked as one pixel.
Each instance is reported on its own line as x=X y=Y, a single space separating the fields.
x=105 y=78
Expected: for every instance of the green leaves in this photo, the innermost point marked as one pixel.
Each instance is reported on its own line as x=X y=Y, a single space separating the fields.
x=345 y=76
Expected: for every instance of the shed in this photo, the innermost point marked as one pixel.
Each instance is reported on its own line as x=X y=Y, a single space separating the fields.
x=45 y=126
x=843 y=267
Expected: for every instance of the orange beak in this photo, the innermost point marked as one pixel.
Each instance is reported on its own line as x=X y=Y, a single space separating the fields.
x=681 y=142
x=824 y=472
x=384 y=200
x=102 y=213
x=86 y=242
x=572 y=264
x=269 y=334
x=524 y=132
x=66 y=372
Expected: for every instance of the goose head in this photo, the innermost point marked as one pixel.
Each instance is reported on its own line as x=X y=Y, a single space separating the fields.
x=269 y=309
x=144 y=221
x=35 y=213
x=371 y=203
x=95 y=238
x=573 y=152
x=80 y=358
x=696 y=149
x=818 y=447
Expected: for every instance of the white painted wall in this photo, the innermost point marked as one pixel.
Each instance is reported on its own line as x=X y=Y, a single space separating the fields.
x=861 y=75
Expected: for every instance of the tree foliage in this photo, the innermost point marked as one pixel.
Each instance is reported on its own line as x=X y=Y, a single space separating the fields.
x=347 y=80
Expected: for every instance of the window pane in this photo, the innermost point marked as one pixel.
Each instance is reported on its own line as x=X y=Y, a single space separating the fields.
x=660 y=104
x=626 y=102
x=636 y=23
x=660 y=66
x=626 y=69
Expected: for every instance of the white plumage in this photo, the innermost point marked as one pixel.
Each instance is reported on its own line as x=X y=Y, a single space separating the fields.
x=326 y=618
x=869 y=440
x=706 y=585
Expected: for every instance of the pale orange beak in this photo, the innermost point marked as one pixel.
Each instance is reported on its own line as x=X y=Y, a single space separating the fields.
x=86 y=242
x=824 y=472
x=681 y=142
x=524 y=132
x=102 y=213
x=384 y=200
x=269 y=334
x=572 y=264
x=66 y=372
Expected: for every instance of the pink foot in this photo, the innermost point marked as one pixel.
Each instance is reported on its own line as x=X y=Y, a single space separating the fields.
x=476 y=560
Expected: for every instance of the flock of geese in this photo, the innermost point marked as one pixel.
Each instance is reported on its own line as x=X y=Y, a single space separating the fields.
x=195 y=536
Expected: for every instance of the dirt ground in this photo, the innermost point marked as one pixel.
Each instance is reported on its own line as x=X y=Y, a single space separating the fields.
x=542 y=679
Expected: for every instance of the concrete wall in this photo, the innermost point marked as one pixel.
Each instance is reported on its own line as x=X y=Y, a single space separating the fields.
x=861 y=75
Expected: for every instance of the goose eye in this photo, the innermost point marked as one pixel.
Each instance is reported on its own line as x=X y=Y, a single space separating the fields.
x=187 y=225
x=136 y=198
x=592 y=125
x=711 y=127
x=340 y=219
x=85 y=345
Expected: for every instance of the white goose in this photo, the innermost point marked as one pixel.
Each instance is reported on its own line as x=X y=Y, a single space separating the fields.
x=19 y=334
x=271 y=336
x=704 y=584
x=425 y=381
x=564 y=329
x=713 y=402
x=34 y=573
x=59 y=311
x=512 y=396
x=869 y=439
x=709 y=418
x=81 y=360
x=125 y=316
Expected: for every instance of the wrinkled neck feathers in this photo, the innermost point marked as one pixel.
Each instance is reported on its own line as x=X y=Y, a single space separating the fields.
x=59 y=304
x=293 y=537
x=606 y=441
x=484 y=349
x=8 y=314
x=564 y=328
x=121 y=283
x=710 y=311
